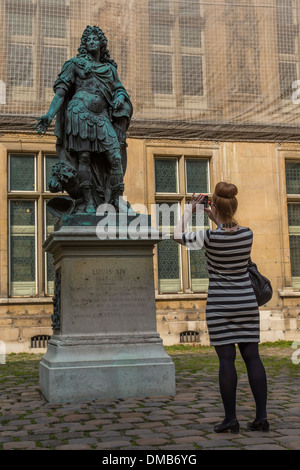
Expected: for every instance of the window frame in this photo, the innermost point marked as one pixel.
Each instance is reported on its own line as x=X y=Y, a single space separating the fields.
x=181 y=153
x=292 y=199
x=289 y=57
x=11 y=154
x=163 y=194
x=38 y=42
x=283 y=153
x=177 y=51
x=10 y=200
x=40 y=196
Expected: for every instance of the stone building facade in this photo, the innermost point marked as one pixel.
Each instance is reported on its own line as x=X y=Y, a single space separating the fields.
x=215 y=95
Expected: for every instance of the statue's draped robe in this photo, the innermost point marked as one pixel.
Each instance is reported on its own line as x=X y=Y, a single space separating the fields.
x=87 y=121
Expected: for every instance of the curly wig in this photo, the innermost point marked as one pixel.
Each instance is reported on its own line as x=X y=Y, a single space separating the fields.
x=104 y=52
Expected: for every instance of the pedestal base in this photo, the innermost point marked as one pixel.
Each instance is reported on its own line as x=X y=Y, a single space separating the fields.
x=85 y=369
x=105 y=342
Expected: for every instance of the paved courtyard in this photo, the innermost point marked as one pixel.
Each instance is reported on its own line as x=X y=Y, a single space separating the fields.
x=183 y=422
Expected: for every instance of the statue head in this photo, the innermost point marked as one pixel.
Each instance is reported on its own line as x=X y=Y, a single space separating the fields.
x=104 y=52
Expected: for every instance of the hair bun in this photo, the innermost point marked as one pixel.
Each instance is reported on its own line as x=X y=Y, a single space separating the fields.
x=226 y=190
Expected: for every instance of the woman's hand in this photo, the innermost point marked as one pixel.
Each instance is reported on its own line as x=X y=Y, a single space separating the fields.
x=182 y=224
x=195 y=201
x=211 y=212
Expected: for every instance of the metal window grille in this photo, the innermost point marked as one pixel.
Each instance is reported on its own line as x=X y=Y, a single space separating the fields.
x=190 y=337
x=287 y=74
x=197 y=62
x=39 y=341
x=292 y=177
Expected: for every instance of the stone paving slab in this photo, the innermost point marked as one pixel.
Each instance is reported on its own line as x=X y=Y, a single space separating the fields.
x=183 y=422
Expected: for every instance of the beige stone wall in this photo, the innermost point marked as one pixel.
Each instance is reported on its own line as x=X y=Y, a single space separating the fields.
x=259 y=172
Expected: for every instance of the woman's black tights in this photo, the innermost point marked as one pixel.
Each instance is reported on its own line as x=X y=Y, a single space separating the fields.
x=228 y=378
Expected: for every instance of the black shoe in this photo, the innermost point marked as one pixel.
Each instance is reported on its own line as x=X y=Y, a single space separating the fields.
x=259 y=425
x=230 y=426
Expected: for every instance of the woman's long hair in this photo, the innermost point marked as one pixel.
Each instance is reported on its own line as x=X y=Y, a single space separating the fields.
x=104 y=52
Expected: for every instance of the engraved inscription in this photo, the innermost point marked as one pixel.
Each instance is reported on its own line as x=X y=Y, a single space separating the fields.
x=110 y=295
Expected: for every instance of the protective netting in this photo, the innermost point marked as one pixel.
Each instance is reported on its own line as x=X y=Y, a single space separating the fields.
x=191 y=67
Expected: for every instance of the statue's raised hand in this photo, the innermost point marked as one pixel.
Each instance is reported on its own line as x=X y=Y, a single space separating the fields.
x=43 y=124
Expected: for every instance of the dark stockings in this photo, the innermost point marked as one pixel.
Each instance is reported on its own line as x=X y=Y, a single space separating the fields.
x=257 y=377
x=228 y=378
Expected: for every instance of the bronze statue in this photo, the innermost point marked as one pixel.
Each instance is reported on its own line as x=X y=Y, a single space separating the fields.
x=93 y=112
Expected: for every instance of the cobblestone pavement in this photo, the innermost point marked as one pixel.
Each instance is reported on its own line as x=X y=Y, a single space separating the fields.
x=183 y=422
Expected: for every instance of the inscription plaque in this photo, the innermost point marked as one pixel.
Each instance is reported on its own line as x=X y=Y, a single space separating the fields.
x=109 y=290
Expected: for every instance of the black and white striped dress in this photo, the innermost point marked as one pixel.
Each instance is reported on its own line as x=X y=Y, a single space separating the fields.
x=232 y=313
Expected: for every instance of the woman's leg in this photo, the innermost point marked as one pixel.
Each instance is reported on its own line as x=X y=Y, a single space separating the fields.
x=227 y=379
x=257 y=377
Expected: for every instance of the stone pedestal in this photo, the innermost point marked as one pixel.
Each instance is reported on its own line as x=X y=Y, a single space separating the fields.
x=105 y=342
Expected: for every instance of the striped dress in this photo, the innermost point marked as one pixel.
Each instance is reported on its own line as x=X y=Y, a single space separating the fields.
x=232 y=313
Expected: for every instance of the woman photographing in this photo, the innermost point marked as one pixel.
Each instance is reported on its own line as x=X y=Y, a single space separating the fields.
x=232 y=313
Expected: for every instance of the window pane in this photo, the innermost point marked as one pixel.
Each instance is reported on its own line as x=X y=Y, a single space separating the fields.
x=167 y=215
x=160 y=22
x=198 y=270
x=286 y=41
x=166 y=175
x=192 y=75
x=190 y=23
x=49 y=161
x=294 y=232
x=295 y=255
x=22 y=248
x=161 y=73
x=286 y=31
x=22 y=172
x=53 y=60
x=201 y=219
x=189 y=8
x=159 y=7
x=50 y=222
x=287 y=75
x=168 y=266
x=20 y=65
x=20 y=18
x=190 y=36
x=168 y=251
x=53 y=26
x=197 y=259
x=292 y=177
x=294 y=216
x=196 y=176
x=160 y=33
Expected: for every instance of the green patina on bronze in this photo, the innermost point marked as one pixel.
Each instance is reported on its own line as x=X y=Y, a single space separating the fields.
x=93 y=112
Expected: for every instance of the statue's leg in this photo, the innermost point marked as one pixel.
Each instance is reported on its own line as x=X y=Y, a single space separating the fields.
x=116 y=173
x=116 y=182
x=85 y=180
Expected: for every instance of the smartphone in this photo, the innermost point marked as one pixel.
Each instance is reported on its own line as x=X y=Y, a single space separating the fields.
x=205 y=201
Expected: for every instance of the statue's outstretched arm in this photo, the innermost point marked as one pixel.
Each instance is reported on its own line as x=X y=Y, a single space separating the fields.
x=45 y=121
